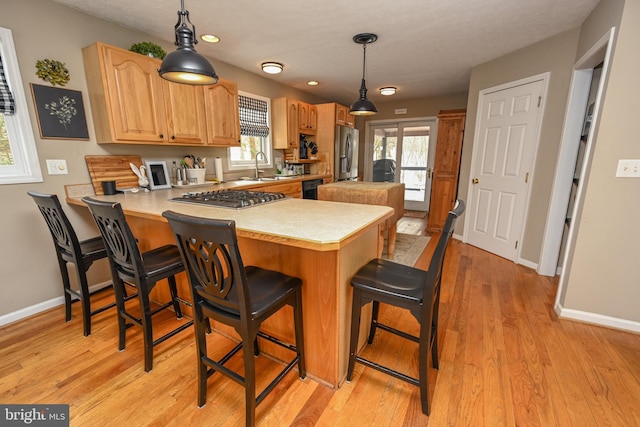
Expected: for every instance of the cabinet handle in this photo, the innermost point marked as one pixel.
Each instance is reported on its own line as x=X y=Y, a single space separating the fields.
x=161 y=136
x=173 y=137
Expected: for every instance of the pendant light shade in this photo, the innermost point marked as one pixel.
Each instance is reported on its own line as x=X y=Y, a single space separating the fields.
x=185 y=65
x=362 y=106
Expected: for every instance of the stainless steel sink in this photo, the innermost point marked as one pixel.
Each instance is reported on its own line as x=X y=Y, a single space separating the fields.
x=267 y=178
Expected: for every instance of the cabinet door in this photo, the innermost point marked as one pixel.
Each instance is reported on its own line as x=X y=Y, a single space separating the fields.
x=313 y=120
x=341 y=115
x=223 y=122
x=184 y=107
x=444 y=186
x=292 y=124
x=343 y=118
x=135 y=97
x=303 y=116
x=307 y=118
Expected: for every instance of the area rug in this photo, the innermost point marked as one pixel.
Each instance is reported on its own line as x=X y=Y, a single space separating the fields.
x=415 y=214
x=409 y=247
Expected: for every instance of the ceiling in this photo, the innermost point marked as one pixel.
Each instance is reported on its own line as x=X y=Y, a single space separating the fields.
x=424 y=48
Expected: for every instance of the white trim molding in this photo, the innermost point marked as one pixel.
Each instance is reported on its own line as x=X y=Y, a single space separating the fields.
x=597 y=319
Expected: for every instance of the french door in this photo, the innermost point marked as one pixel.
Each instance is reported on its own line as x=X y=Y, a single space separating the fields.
x=403 y=151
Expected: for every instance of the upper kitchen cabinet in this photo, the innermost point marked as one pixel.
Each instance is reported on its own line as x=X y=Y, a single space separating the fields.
x=284 y=123
x=185 y=113
x=221 y=107
x=126 y=93
x=131 y=104
x=343 y=118
x=307 y=118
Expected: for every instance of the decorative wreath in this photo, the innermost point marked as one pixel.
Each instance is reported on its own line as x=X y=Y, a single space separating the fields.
x=52 y=71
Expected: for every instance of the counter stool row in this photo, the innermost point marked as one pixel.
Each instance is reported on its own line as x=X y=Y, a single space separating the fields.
x=222 y=287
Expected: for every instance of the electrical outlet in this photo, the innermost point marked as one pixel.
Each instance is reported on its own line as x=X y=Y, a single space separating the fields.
x=628 y=168
x=57 y=167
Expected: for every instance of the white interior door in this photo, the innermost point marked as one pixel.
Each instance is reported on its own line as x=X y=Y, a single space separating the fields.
x=404 y=152
x=502 y=164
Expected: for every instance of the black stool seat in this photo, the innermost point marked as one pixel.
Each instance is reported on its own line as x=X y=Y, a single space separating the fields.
x=382 y=281
x=69 y=249
x=143 y=270
x=242 y=297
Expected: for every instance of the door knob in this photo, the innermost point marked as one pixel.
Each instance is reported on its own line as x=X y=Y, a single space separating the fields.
x=475 y=181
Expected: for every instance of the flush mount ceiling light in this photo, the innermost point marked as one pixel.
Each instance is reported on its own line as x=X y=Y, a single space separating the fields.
x=364 y=107
x=185 y=65
x=272 y=67
x=313 y=83
x=386 y=91
x=210 y=38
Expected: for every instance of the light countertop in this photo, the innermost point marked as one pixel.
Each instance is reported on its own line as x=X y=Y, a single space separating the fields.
x=313 y=224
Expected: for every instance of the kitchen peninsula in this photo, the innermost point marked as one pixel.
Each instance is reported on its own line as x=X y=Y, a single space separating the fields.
x=324 y=243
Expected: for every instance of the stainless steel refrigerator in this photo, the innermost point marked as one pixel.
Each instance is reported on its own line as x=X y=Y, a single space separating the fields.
x=346 y=153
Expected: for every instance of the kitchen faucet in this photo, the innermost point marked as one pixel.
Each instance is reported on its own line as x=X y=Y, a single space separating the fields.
x=264 y=157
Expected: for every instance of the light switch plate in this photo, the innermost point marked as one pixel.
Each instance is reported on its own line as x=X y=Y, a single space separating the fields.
x=57 y=167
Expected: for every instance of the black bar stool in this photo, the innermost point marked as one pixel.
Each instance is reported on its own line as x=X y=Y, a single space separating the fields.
x=143 y=270
x=71 y=250
x=225 y=290
x=407 y=287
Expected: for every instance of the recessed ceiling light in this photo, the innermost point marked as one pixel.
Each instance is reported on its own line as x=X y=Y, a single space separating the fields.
x=386 y=91
x=210 y=38
x=313 y=83
x=272 y=67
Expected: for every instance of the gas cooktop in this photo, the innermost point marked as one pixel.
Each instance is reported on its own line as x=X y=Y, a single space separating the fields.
x=235 y=199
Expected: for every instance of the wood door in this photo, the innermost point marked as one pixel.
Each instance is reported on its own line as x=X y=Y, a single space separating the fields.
x=184 y=107
x=135 y=96
x=221 y=106
x=509 y=121
x=444 y=185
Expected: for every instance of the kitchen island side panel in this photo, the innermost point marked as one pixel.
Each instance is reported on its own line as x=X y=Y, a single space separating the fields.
x=326 y=293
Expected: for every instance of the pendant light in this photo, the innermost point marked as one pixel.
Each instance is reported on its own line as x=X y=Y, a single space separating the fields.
x=185 y=65
x=363 y=107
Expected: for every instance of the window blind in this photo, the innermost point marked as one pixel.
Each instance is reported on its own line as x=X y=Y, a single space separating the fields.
x=7 y=103
x=253 y=117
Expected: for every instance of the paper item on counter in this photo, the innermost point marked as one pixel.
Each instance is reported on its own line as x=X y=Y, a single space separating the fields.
x=218 y=168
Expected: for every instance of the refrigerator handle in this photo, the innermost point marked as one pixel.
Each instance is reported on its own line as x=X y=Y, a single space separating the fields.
x=349 y=153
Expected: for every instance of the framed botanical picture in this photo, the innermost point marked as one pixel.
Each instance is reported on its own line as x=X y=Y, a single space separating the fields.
x=60 y=113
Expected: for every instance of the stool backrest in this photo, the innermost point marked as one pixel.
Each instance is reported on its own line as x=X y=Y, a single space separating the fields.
x=120 y=242
x=64 y=236
x=210 y=253
x=434 y=274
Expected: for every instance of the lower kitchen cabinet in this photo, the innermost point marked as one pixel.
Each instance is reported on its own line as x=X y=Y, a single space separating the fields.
x=290 y=189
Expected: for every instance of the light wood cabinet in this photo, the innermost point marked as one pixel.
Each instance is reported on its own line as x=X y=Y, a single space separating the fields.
x=126 y=94
x=284 y=123
x=343 y=118
x=131 y=104
x=444 y=186
x=290 y=189
x=184 y=112
x=330 y=115
x=307 y=118
x=221 y=107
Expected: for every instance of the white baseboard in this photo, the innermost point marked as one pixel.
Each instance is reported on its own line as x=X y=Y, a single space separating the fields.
x=597 y=319
x=526 y=263
x=23 y=313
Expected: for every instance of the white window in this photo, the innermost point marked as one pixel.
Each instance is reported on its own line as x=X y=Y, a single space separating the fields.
x=18 y=156
x=255 y=113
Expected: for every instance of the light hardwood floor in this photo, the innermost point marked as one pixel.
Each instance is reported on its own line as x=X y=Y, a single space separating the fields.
x=506 y=360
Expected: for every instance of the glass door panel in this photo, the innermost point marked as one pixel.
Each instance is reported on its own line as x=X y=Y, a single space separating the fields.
x=401 y=153
x=414 y=167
